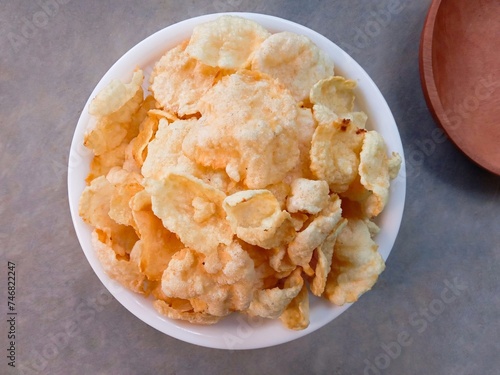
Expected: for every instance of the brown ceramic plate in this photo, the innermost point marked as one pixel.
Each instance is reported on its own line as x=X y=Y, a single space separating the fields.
x=460 y=73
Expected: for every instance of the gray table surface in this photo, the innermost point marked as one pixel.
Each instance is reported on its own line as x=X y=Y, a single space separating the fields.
x=52 y=56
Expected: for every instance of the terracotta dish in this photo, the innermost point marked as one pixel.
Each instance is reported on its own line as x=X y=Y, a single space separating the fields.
x=460 y=73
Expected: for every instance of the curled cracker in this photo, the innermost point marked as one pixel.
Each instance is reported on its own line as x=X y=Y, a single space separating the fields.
x=94 y=206
x=125 y=271
x=126 y=186
x=254 y=141
x=356 y=264
x=270 y=303
x=165 y=150
x=256 y=217
x=335 y=153
x=114 y=108
x=227 y=287
x=158 y=243
x=335 y=93
x=324 y=254
x=296 y=314
x=194 y=317
x=309 y=196
x=177 y=212
x=301 y=248
x=147 y=131
x=294 y=60
x=102 y=164
x=179 y=81
x=375 y=171
x=226 y=42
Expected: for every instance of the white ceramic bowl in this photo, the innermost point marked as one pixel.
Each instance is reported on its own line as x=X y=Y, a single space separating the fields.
x=235 y=331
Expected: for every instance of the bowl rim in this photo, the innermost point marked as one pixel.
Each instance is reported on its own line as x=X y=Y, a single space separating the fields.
x=235 y=332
